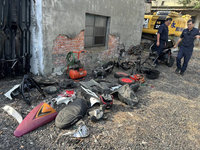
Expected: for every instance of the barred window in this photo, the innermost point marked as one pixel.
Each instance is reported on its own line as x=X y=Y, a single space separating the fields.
x=95 y=30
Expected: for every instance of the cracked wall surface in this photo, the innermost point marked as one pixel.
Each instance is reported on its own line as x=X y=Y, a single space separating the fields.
x=61 y=17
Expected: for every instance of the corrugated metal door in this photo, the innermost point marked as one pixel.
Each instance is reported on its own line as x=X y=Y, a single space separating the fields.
x=15 y=37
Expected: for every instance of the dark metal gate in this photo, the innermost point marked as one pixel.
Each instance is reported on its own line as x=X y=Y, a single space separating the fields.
x=15 y=21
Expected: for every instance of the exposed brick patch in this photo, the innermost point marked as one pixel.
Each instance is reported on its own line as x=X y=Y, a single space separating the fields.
x=112 y=47
x=64 y=44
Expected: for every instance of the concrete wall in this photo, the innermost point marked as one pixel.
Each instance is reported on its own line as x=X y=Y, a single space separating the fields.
x=148 y=8
x=37 y=65
x=67 y=17
x=195 y=14
x=169 y=3
x=197 y=23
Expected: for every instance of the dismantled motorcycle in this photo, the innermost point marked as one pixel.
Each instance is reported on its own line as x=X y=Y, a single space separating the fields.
x=104 y=70
x=141 y=67
x=100 y=96
x=165 y=57
x=122 y=62
x=135 y=50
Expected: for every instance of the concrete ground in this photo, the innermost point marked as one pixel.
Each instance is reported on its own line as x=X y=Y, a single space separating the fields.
x=167 y=117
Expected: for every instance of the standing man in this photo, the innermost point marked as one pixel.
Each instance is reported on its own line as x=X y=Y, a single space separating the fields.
x=162 y=36
x=187 y=37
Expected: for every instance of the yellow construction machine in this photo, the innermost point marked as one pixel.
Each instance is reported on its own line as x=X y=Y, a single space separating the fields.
x=153 y=22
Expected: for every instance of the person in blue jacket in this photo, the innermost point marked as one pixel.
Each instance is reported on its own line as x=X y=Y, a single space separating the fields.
x=186 y=47
x=162 y=36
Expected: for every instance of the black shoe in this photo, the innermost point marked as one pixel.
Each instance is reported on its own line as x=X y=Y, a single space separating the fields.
x=182 y=73
x=177 y=71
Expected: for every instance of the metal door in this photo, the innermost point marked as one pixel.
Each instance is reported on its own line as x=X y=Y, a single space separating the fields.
x=15 y=21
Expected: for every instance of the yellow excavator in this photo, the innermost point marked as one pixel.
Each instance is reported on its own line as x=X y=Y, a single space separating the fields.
x=153 y=22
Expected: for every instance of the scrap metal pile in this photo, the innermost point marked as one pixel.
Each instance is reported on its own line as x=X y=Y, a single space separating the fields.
x=80 y=95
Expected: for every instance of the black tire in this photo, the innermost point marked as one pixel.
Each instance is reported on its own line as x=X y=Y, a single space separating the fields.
x=125 y=80
x=120 y=74
x=152 y=74
x=171 y=62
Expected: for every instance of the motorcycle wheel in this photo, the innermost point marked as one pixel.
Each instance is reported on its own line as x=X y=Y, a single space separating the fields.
x=170 y=62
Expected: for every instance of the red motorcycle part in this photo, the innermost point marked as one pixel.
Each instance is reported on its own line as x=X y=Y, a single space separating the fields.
x=39 y=116
x=67 y=93
x=138 y=77
x=120 y=74
x=125 y=80
x=107 y=102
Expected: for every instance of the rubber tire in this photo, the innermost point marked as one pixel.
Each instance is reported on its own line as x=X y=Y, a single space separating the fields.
x=171 y=62
x=120 y=74
x=152 y=74
x=123 y=83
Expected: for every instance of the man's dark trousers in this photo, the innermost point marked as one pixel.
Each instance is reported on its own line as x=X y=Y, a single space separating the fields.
x=186 y=53
x=161 y=47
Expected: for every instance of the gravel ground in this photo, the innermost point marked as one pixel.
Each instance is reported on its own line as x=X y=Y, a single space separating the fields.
x=167 y=117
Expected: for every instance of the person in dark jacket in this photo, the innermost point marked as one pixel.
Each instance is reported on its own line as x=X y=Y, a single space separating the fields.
x=162 y=36
x=186 y=47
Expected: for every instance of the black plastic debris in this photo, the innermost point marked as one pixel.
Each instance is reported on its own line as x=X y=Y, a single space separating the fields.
x=24 y=88
x=103 y=70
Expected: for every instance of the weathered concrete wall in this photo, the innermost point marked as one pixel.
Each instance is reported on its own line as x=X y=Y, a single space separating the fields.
x=197 y=20
x=195 y=14
x=197 y=25
x=64 y=44
x=37 y=65
x=61 y=17
x=148 y=8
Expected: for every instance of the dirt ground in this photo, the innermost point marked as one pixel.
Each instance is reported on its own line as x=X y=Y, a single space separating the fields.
x=167 y=117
